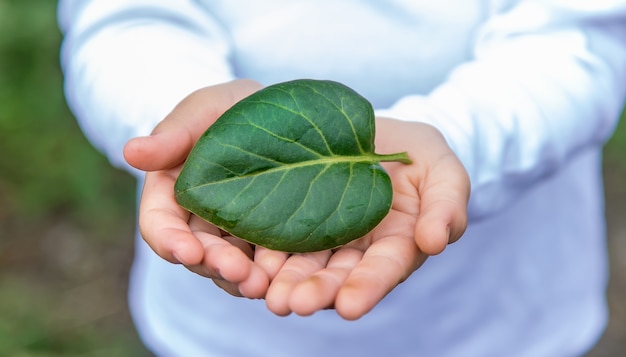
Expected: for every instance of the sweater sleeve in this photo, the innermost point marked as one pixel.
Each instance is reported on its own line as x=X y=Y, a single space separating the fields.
x=547 y=81
x=128 y=63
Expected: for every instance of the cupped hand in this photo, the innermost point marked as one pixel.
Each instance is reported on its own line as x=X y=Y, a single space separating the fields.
x=172 y=232
x=428 y=212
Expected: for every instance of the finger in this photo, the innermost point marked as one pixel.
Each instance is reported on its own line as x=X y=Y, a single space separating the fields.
x=256 y=285
x=163 y=223
x=295 y=270
x=253 y=287
x=229 y=287
x=172 y=139
x=442 y=215
x=320 y=290
x=222 y=260
x=387 y=263
x=230 y=260
x=270 y=260
x=227 y=261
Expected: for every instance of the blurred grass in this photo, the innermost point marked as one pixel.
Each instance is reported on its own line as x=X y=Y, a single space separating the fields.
x=615 y=150
x=67 y=217
x=47 y=164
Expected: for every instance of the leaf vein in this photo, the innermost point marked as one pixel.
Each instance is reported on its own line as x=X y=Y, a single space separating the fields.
x=341 y=110
x=337 y=207
x=305 y=117
x=251 y=153
x=265 y=198
x=308 y=193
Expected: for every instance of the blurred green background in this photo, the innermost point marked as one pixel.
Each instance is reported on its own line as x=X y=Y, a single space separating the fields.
x=67 y=217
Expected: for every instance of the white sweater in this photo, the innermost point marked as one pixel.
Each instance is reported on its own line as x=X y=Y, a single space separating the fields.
x=525 y=92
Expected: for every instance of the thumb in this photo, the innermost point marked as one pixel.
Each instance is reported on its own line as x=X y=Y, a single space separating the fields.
x=172 y=139
x=443 y=208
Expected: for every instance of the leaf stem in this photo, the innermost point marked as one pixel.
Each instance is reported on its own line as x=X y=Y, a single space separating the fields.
x=402 y=157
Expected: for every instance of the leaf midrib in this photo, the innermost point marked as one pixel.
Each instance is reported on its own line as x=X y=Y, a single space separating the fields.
x=325 y=161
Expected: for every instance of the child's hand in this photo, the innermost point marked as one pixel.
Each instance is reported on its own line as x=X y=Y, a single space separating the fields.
x=172 y=232
x=428 y=212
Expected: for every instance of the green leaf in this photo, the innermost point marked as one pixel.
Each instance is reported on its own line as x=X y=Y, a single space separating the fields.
x=291 y=167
